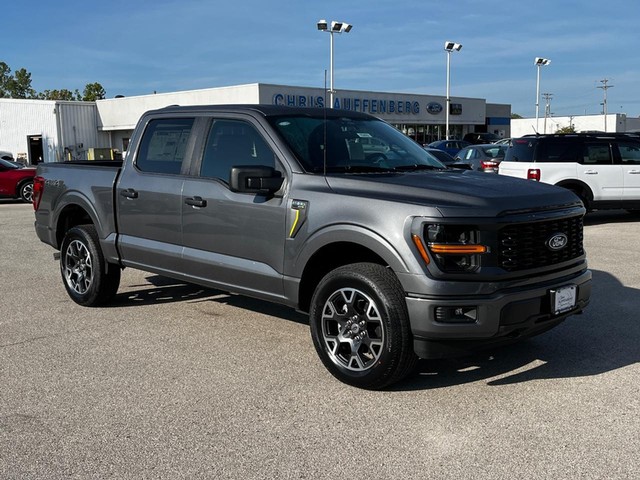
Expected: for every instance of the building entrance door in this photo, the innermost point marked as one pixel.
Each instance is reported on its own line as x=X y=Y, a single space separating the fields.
x=35 y=149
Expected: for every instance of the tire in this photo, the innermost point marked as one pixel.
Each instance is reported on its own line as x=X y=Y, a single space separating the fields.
x=583 y=196
x=26 y=191
x=360 y=326
x=84 y=271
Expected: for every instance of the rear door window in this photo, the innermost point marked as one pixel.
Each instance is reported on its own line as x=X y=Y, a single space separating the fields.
x=164 y=144
x=558 y=150
x=596 y=153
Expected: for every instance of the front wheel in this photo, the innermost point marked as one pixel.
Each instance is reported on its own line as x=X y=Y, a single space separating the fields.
x=86 y=276
x=26 y=191
x=360 y=326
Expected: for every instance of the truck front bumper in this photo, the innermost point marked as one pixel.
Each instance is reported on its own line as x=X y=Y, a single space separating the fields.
x=487 y=321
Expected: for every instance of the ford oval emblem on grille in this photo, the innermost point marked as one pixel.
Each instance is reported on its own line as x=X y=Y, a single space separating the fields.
x=557 y=242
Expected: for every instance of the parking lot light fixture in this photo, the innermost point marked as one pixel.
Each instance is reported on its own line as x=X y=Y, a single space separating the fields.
x=539 y=62
x=335 y=27
x=449 y=47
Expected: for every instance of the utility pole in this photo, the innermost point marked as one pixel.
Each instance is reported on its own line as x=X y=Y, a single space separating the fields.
x=547 y=109
x=604 y=88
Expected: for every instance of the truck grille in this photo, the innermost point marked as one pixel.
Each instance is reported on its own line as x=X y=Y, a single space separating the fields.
x=524 y=246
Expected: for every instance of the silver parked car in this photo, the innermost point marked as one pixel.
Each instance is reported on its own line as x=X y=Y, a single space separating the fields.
x=484 y=158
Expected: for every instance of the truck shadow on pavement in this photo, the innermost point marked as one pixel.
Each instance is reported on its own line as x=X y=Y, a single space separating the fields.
x=604 y=217
x=604 y=338
x=168 y=290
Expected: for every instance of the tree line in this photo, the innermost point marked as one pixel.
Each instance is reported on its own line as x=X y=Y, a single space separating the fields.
x=18 y=85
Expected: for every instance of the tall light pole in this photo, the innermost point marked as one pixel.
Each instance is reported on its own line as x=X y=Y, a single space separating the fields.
x=539 y=62
x=336 y=27
x=449 y=47
x=604 y=88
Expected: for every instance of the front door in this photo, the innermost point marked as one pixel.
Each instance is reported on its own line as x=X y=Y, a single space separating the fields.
x=630 y=161
x=233 y=239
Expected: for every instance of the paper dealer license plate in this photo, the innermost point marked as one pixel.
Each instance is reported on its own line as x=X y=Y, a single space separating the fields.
x=563 y=299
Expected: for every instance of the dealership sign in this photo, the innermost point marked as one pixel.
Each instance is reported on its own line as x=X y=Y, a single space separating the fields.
x=434 y=108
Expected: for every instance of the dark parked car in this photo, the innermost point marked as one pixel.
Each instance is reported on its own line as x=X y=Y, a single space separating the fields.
x=16 y=181
x=480 y=138
x=441 y=155
x=484 y=158
x=450 y=146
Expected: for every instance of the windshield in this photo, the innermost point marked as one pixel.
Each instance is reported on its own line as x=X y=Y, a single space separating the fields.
x=7 y=164
x=351 y=145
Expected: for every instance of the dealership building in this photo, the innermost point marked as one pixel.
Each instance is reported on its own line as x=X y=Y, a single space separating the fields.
x=50 y=131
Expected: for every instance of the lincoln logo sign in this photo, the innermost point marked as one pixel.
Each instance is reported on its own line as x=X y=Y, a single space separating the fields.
x=557 y=242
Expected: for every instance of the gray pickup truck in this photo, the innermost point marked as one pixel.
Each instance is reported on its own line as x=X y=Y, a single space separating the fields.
x=334 y=213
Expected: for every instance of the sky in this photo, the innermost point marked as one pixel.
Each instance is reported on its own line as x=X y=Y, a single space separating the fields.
x=138 y=47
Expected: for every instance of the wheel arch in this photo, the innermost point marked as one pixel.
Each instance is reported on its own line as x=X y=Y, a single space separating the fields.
x=20 y=184
x=75 y=209
x=336 y=246
x=328 y=258
x=580 y=188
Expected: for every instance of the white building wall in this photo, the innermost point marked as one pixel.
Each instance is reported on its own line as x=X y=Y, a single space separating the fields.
x=20 y=119
x=615 y=122
x=78 y=127
x=124 y=113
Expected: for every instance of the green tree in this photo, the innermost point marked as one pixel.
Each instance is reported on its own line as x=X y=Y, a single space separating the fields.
x=515 y=115
x=93 y=92
x=569 y=129
x=5 y=77
x=20 y=85
x=62 y=94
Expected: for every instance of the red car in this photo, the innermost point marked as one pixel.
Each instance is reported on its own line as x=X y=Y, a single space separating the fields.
x=16 y=181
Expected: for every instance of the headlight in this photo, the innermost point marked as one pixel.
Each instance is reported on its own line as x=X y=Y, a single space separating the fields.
x=454 y=248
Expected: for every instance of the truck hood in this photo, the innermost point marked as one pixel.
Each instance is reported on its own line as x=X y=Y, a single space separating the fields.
x=451 y=191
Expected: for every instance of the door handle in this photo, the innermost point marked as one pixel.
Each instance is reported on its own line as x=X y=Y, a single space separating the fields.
x=129 y=193
x=634 y=172
x=196 y=202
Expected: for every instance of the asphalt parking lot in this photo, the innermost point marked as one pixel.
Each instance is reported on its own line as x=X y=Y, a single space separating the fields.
x=176 y=381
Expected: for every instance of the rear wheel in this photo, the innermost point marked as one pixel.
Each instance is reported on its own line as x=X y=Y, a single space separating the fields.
x=89 y=280
x=360 y=326
x=582 y=195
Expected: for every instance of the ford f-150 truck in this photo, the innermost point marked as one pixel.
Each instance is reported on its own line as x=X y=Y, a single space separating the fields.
x=334 y=213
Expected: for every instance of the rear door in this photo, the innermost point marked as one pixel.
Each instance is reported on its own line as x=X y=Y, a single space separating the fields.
x=233 y=240
x=149 y=196
x=598 y=170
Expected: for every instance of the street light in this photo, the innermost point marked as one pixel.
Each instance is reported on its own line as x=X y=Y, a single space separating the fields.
x=449 y=47
x=336 y=27
x=539 y=62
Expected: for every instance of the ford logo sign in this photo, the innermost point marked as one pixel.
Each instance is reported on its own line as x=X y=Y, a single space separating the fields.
x=557 y=242
x=434 y=108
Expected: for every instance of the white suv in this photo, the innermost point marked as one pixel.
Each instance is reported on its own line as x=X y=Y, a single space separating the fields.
x=602 y=169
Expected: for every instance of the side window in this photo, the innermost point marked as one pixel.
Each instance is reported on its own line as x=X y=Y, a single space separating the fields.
x=558 y=150
x=629 y=153
x=163 y=145
x=233 y=143
x=596 y=154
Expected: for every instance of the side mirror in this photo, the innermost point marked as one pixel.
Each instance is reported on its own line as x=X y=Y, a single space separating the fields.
x=255 y=179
